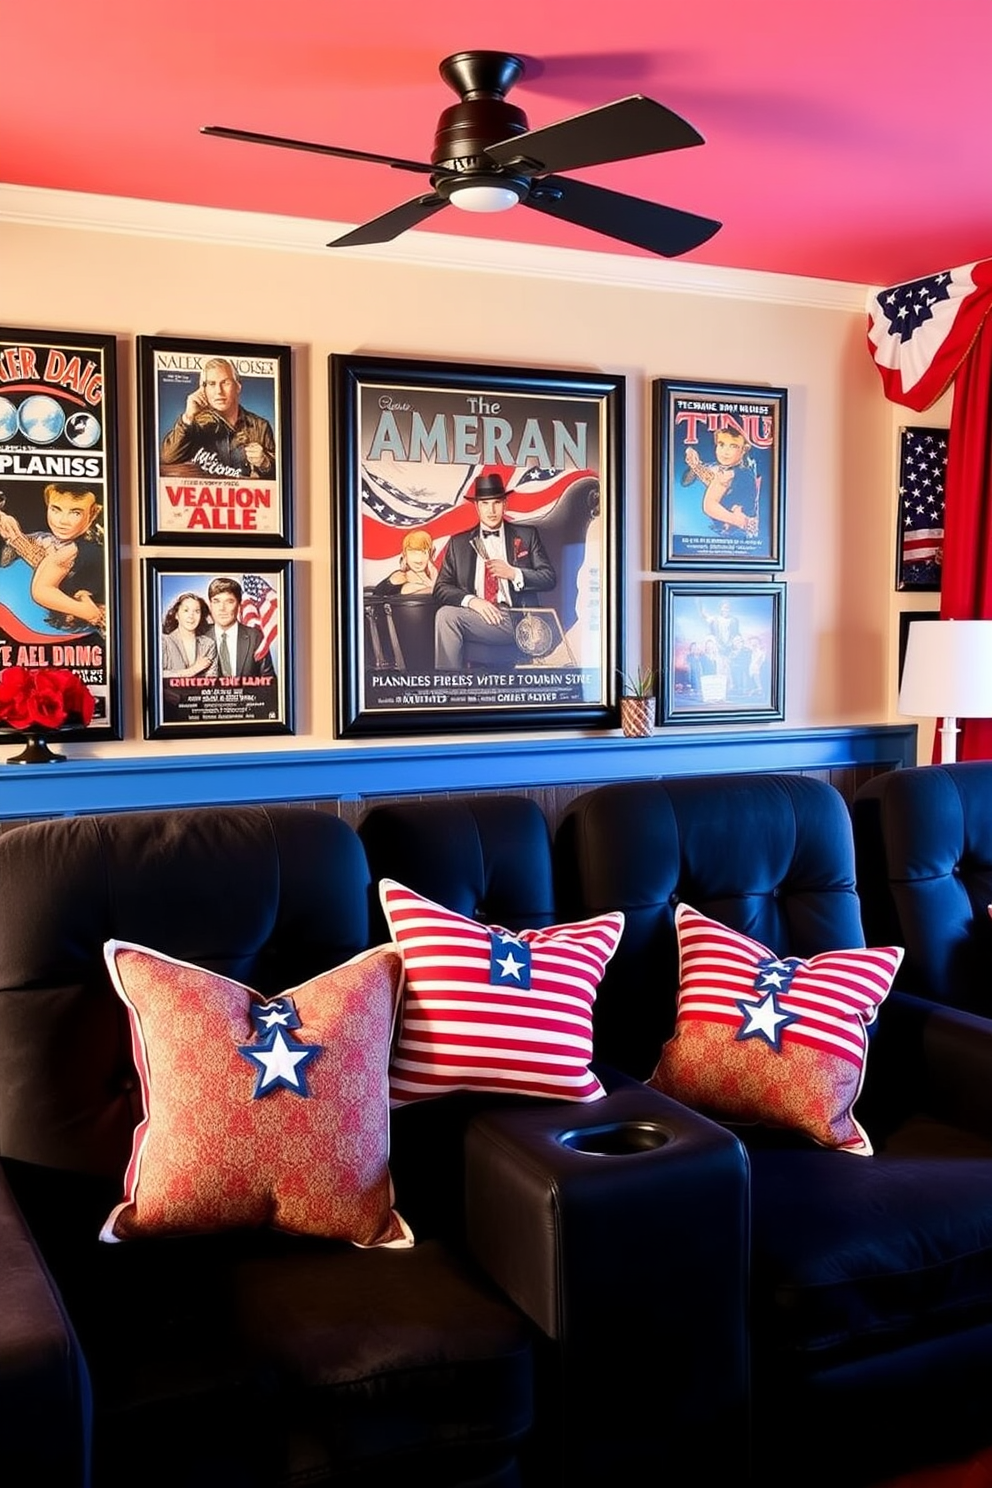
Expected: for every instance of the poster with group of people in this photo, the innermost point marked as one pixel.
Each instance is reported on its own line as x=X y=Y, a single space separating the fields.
x=477 y=537
x=722 y=647
x=58 y=506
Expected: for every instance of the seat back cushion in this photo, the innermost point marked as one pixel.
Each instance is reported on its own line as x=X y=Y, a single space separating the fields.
x=267 y=896
x=485 y=857
x=924 y=865
x=769 y=855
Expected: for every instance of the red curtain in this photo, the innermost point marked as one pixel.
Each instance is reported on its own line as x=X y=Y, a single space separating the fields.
x=966 y=582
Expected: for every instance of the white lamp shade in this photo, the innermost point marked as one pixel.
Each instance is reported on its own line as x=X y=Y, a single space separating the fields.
x=948 y=670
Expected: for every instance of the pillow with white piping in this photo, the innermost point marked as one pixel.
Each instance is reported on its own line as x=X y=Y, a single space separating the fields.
x=485 y=1008
x=259 y=1112
x=782 y=1041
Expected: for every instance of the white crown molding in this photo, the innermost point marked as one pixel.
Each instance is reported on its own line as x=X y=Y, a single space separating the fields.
x=38 y=207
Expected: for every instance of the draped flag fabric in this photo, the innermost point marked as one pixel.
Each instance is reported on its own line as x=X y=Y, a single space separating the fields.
x=395 y=501
x=920 y=332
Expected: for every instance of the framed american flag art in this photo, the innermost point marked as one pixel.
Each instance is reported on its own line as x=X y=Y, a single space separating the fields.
x=920 y=539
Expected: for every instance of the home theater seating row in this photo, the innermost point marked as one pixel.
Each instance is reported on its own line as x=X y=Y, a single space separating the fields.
x=616 y=1290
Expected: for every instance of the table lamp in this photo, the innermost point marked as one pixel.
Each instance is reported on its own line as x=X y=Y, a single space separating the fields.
x=947 y=674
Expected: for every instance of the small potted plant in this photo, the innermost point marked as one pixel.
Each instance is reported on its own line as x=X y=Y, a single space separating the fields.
x=637 y=703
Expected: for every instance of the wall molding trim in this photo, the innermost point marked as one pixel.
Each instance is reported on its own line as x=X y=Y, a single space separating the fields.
x=34 y=206
x=83 y=786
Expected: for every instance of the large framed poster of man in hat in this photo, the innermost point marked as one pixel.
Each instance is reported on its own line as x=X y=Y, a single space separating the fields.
x=477 y=542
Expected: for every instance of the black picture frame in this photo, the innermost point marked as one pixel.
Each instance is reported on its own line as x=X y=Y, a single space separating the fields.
x=258 y=698
x=906 y=618
x=59 y=499
x=705 y=433
x=410 y=438
x=920 y=533
x=199 y=485
x=737 y=631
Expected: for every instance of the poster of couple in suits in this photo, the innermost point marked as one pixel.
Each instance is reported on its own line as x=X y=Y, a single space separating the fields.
x=477 y=542
x=58 y=510
x=216 y=644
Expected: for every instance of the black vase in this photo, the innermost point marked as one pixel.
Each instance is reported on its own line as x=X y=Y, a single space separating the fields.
x=36 y=751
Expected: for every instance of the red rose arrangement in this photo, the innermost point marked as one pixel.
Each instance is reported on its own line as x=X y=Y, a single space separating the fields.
x=43 y=698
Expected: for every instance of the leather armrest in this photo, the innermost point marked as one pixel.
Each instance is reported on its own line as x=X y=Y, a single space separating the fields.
x=45 y=1404
x=622 y=1229
x=942 y=1059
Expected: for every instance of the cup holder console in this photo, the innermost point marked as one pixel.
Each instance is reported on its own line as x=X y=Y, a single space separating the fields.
x=618 y=1139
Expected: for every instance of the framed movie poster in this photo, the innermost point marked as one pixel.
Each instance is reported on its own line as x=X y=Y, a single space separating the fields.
x=920 y=540
x=216 y=442
x=58 y=512
x=477 y=522
x=721 y=651
x=719 y=476
x=217 y=648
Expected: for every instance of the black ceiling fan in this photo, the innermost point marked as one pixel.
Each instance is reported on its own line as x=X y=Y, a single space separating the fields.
x=486 y=159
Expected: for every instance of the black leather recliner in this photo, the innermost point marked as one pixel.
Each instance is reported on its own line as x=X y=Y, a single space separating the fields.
x=870 y=1310
x=371 y=1362
x=924 y=858
x=619 y=1226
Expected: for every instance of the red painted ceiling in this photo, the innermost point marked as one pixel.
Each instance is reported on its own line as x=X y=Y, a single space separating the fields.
x=848 y=141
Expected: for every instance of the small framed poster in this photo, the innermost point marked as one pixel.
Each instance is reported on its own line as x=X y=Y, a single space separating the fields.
x=217 y=648
x=59 y=595
x=216 y=442
x=722 y=651
x=719 y=476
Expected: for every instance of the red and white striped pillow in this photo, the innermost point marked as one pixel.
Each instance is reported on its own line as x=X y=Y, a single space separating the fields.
x=783 y=1042
x=487 y=1009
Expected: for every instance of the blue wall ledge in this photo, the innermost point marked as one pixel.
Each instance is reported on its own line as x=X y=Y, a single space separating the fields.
x=498 y=763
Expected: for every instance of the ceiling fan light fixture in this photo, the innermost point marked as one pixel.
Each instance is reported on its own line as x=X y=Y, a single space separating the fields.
x=487 y=159
x=489 y=196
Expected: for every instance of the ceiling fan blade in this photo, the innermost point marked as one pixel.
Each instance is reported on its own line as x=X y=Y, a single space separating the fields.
x=292 y=144
x=383 y=229
x=617 y=131
x=649 y=225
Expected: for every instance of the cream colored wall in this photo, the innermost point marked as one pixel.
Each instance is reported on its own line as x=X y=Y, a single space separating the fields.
x=842 y=613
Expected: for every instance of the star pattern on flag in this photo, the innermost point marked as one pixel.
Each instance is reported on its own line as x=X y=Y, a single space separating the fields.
x=908 y=306
x=279 y=1062
x=922 y=472
x=386 y=501
x=920 y=332
x=509 y=960
x=765 y=1019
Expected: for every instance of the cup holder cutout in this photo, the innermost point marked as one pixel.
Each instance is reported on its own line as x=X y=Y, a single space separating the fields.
x=618 y=1139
